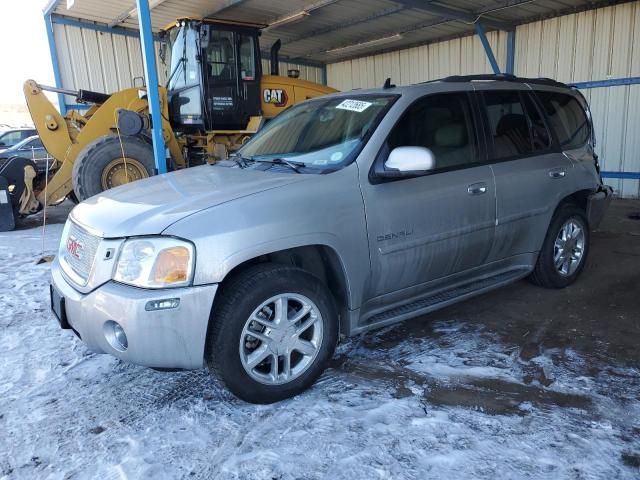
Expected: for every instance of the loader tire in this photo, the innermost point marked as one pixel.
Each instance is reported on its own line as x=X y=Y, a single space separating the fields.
x=101 y=166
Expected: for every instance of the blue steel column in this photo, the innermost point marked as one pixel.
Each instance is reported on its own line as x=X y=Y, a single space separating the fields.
x=511 y=51
x=487 y=48
x=55 y=62
x=151 y=76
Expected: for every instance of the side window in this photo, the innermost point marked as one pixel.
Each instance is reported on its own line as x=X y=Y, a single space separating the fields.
x=567 y=118
x=221 y=56
x=510 y=127
x=11 y=138
x=442 y=123
x=247 y=57
x=540 y=136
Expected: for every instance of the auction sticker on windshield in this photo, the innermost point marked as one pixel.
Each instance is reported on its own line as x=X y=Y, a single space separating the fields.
x=354 y=105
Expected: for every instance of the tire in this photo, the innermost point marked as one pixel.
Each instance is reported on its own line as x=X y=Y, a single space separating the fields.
x=73 y=198
x=96 y=161
x=229 y=346
x=546 y=273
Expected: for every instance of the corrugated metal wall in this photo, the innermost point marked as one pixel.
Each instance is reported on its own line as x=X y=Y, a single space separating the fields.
x=453 y=57
x=107 y=62
x=313 y=74
x=98 y=61
x=592 y=45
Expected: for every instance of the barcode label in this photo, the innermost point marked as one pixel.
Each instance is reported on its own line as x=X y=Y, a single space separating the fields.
x=354 y=105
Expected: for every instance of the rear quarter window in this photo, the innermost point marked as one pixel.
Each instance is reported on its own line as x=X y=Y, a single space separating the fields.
x=566 y=118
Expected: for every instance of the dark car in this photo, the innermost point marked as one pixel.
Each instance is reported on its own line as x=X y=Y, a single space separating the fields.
x=11 y=137
x=32 y=149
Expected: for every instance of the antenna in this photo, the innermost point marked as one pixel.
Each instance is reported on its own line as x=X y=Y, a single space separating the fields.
x=388 y=84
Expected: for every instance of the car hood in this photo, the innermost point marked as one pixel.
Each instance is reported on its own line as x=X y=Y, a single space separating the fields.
x=151 y=205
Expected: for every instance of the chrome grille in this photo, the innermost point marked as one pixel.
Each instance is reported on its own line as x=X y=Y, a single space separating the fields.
x=78 y=250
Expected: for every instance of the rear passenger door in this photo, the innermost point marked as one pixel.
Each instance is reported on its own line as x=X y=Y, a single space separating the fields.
x=424 y=229
x=531 y=173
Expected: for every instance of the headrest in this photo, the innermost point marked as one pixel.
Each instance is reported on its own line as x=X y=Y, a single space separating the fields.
x=451 y=136
x=439 y=115
x=511 y=121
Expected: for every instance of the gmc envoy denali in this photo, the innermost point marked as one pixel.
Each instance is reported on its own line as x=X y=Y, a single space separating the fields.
x=344 y=213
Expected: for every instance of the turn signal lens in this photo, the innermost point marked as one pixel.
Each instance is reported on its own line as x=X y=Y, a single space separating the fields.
x=172 y=265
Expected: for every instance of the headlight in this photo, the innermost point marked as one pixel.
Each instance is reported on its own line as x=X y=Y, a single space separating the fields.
x=155 y=262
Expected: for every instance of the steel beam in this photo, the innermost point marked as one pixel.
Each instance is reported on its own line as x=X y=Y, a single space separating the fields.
x=225 y=6
x=132 y=12
x=55 y=61
x=408 y=29
x=346 y=24
x=612 y=82
x=96 y=27
x=511 y=51
x=151 y=76
x=449 y=13
x=622 y=175
x=487 y=48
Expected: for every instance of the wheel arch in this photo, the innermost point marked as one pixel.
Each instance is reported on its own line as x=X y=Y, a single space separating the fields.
x=320 y=260
x=579 y=198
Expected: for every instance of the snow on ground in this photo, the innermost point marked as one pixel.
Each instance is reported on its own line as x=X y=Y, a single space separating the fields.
x=454 y=403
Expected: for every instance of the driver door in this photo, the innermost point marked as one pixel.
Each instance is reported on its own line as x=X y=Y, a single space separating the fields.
x=423 y=230
x=233 y=77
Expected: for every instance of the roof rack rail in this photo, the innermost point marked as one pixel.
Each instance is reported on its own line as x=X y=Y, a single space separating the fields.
x=503 y=77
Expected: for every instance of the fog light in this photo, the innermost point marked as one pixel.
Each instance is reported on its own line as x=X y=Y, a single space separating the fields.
x=164 y=304
x=120 y=336
x=114 y=333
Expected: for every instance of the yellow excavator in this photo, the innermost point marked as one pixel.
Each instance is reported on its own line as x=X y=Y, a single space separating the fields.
x=215 y=98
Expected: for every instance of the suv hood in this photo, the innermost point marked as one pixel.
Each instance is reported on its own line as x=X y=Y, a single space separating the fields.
x=149 y=206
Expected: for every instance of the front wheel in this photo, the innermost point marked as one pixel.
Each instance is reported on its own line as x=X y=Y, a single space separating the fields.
x=564 y=250
x=109 y=162
x=272 y=333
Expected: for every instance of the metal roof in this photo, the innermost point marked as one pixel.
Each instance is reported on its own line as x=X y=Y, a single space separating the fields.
x=326 y=31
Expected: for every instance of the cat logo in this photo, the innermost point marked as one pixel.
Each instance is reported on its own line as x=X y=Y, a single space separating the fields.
x=275 y=96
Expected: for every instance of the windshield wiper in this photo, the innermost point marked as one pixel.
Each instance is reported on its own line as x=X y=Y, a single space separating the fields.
x=180 y=63
x=241 y=161
x=293 y=165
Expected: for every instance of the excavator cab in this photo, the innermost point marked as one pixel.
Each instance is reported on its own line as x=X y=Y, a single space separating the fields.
x=214 y=74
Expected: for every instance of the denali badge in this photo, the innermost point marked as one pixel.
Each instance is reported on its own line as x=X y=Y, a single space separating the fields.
x=74 y=247
x=402 y=234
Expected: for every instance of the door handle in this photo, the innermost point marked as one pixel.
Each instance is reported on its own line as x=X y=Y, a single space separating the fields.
x=477 y=189
x=557 y=173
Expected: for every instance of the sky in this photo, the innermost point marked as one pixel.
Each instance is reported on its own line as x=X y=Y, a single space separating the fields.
x=25 y=52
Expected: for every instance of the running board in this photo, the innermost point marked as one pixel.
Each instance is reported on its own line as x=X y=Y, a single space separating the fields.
x=443 y=299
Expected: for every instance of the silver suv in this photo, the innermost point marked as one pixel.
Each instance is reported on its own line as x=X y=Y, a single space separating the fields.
x=344 y=213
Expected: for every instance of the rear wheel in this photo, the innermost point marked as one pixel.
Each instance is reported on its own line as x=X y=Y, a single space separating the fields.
x=272 y=333
x=102 y=165
x=564 y=250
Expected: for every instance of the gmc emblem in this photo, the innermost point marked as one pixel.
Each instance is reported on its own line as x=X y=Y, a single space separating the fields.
x=74 y=247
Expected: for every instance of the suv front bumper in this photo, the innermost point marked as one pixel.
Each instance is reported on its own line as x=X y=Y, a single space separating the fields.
x=171 y=338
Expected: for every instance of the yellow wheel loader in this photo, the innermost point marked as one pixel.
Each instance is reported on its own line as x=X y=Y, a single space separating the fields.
x=215 y=98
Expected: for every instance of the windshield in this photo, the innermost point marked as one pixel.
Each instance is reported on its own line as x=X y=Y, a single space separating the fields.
x=183 y=81
x=31 y=142
x=324 y=133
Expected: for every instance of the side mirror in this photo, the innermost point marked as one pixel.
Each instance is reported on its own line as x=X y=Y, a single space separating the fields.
x=408 y=160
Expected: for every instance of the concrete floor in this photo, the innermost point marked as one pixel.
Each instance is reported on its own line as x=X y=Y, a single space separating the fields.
x=598 y=317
